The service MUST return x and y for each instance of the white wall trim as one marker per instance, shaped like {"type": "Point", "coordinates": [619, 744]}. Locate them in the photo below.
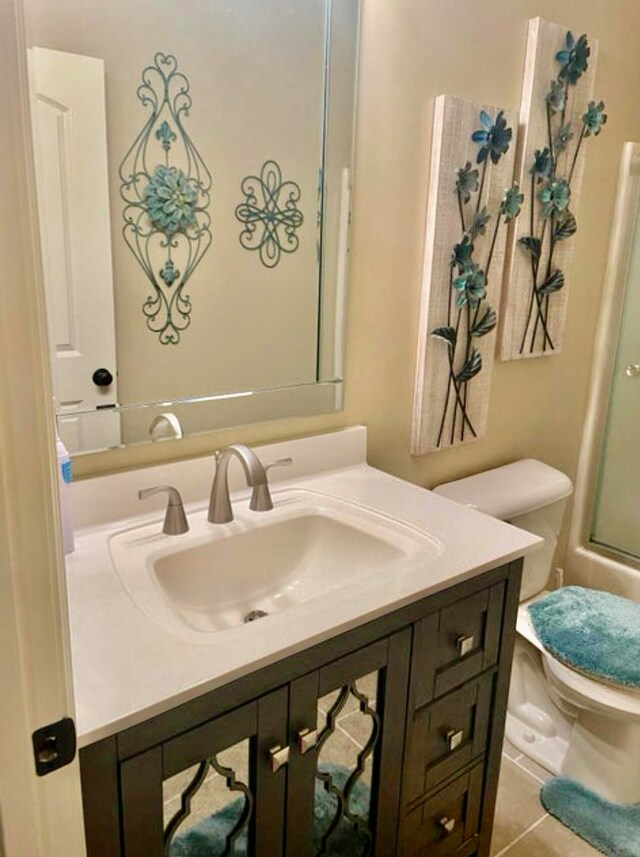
{"type": "Point", "coordinates": [41, 817]}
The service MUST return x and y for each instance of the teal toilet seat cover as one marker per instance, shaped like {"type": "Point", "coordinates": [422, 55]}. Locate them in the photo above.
{"type": "Point", "coordinates": [595, 632]}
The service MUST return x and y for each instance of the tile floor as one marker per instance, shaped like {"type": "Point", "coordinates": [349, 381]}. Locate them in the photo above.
{"type": "Point", "coordinates": [522, 828]}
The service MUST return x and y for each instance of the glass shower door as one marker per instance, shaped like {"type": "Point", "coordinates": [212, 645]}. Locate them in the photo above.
{"type": "Point", "coordinates": [616, 521]}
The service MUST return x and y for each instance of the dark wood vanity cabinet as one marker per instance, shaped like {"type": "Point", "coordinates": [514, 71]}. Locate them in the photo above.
{"type": "Point", "coordinates": [384, 740]}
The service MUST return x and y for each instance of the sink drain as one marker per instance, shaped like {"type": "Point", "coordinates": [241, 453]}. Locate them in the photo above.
{"type": "Point", "coordinates": [255, 614]}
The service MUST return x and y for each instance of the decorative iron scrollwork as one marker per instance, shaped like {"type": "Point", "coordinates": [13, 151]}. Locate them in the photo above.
{"type": "Point", "coordinates": [166, 187]}
{"type": "Point", "coordinates": [270, 214]}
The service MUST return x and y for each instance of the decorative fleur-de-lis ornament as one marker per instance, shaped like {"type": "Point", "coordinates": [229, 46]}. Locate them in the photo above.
{"type": "Point", "coordinates": [166, 188]}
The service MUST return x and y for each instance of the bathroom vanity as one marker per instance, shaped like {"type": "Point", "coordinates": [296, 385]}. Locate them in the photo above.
{"type": "Point", "coordinates": [411, 660]}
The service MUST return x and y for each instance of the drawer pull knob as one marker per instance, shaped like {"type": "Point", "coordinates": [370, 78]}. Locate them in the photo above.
{"type": "Point", "coordinates": [466, 644]}
{"type": "Point", "coordinates": [448, 825]}
{"type": "Point", "coordinates": [279, 757]}
{"type": "Point", "coordinates": [454, 739]}
{"type": "Point", "coordinates": [307, 740]}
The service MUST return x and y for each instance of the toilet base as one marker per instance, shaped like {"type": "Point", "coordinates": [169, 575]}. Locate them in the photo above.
{"type": "Point", "coordinates": [603, 757]}
{"type": "Point", "coordinates": [547, 751]}
{"type": "Point", "coordinates": [556, 729]}
{"type": "Point", "coordinates": [535, 725]}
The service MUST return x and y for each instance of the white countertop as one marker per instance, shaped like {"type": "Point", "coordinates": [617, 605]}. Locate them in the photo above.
{"type": "Point", "coordinates": [127, 668]}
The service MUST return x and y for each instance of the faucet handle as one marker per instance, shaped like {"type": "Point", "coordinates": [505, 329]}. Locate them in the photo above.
{"type": "Point", "coordinates": [175, 520]}
{"type": "Point", "coordinates": [261, 497]}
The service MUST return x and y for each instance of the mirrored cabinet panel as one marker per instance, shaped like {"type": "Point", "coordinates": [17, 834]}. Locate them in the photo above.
{"type": "Point", "coordinates": [193, 168]}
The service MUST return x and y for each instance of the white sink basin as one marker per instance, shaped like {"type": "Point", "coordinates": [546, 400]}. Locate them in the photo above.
{"type": "Point", "coordinates": [309, 547]}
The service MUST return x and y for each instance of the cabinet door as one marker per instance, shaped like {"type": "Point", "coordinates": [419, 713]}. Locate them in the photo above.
{"type": "Point", "coordinates": [211, 790]}
{"type": "Point", "coordinates": [346, 734]}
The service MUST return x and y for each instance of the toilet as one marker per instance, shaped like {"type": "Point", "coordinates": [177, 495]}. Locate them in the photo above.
{"type": "Point", "coordinates": [573, 725]}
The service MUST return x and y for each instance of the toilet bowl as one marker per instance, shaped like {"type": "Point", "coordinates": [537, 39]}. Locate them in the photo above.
{"type": "Point", "coordinates": [571, 724]}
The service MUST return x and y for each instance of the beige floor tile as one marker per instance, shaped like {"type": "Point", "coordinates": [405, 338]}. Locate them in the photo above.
{"type": "Point", "coordinates": [509, 750]}
{"type": "Point", "coordinates": [518, 805]}
{"type": "Point", "coordinates": [357, 726]}
{"type": "Point", "coordinates": [214, 793]}
{"type": "Point", "coordinates": [340, 749]}
{"type": "Point", "coordinates": [367, 684]}
{"type": "Point", "coordinates": [551, 839]}
{"type": "Point", "coordinates": [537, 770]}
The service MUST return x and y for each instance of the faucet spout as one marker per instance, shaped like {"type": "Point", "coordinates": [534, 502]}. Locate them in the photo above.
{"type": "Point", "coordinates": [220, 511]}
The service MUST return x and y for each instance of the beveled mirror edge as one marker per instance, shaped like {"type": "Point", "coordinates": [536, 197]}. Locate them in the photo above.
{"type": "Point", "coordinates": [158, 422]}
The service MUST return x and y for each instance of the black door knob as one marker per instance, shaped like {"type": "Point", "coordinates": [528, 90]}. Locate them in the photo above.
{"type": "Point", "coordinates": [102, 378]}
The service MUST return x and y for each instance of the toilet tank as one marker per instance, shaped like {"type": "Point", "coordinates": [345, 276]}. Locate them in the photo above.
{"type": "Point", "coordinates": [528, 494]}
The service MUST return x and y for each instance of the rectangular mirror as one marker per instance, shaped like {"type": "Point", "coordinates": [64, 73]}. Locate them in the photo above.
{"type": "Point", "coordinates": [193, 167]}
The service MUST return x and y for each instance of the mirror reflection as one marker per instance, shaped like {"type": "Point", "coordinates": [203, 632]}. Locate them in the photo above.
{"type": "Point", "coordinates": [193, 169]}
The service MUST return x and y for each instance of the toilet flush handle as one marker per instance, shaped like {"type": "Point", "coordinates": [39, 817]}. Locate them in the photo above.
{"type": "Point", "coordinates": [632, 370]}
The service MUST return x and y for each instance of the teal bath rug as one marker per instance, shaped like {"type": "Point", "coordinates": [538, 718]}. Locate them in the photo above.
{"type": "Point", "coordinates": [208, 838]}
{"type": "Point", "coordinates": [612, 828]}
{"type": "Point", "coordinates": [595, 632]}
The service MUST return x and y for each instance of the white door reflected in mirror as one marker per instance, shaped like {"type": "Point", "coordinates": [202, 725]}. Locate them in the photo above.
{"type": "Point", "coordinates": [70, 143]}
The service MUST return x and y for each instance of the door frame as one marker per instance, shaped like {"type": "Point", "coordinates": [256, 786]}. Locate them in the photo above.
{"type": "Point", "coordinates": [39, 816]}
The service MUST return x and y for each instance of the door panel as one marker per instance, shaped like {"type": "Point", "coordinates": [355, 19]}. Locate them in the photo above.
{"type": "Point", "coordinates": [70, 144]}
{"type": "Point", "coordinates": [615, 523]}
{"type": "Point", "coordinates": [211, 788]}
{"type": "Point", "coordinates": [346, 737]}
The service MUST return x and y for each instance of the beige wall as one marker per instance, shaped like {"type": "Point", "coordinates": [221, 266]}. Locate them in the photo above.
{"type": "Point", "coordinates": [413, 50]}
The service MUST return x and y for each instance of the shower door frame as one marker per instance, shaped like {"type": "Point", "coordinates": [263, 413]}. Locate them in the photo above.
{"type": "Point", "coordinates": [587, 563]}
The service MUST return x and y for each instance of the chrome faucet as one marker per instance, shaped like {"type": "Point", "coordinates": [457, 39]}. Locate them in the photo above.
{"type": "Point", "coordinates": [220, 511]}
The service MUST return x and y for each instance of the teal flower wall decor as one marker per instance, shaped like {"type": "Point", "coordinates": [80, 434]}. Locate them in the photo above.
{"type": "Point", "coordinates": [494, 137]}
{"type": "Point", "coordinates": [551, 175]}
{"type": "Point", "coordinates": [469, 316]}
{"type": "Point", "coordinates": [270, 214]}
{"type": "Point", "coordinates": [166, 189]}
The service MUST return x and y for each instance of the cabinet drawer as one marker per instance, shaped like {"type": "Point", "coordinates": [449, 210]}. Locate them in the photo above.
{"type": "Point", "coordinates": [447, 822]}
{"type": "Point", "coordinates": [445, 736]}
{"type": "Point", "coordinates": [456, 644]}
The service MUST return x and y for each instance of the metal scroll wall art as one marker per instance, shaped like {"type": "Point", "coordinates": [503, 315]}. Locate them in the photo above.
{"type": "Point", "coordinates": [558, 114]}
{"type": "Point", "coordinates": [471, 202]}
{"type": "Point", "coordinates": [270, 214]}
{"type": "Point", "coordinates": [166, 187]}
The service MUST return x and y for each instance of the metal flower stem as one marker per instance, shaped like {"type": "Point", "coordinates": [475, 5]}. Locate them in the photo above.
{"type": "Point", "coordinates": [480, 192]}
{"type": "Point", "coordinates": [583, 134]}
{"type": "Point", "coordinates": [461, 210]}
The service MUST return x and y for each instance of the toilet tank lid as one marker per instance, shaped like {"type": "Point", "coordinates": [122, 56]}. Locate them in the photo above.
{"type": "Point", "coordinates": [512, 490]}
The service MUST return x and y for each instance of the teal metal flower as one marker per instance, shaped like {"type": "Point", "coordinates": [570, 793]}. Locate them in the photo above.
{"type": "Point", "coordinates": [471, 287]}
{"type": "Point", "coordinates": [461, 256]}
{"type": "Point", "coordinates": [542, 163]}
{"type": "Point", "coordinates": [466, 181]}
{"type": "Point", "coordinates": [511, 202]}
{"type": "Point", "coordinates": [554, 197]}
{"type": "Point", "coordinates": [171, 200]}
{"type": "Point", "coordinates": [562, 138]}
{"type": "Point", "coordinates": [557, 96]}
{"type": "Point", "coordinates": [479, 223]}
{"type": "Point", "coordinates": [594, 118]}
{"type": "Point", "coordinates": [573, 58]}
{"type": "Point", "coordinates": [493, 137]}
